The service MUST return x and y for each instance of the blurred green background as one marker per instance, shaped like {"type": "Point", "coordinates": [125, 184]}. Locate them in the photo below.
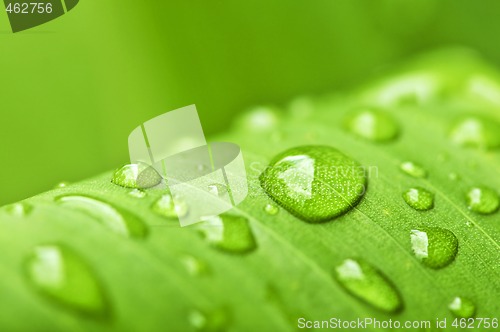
{"type": "Point", "coordinates": [73, 89]}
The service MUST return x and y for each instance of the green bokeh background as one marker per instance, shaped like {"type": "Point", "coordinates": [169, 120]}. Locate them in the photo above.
{"type": "Point", "coordinates": [73, 89]}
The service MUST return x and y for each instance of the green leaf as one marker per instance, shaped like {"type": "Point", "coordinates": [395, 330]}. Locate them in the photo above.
{"type": "Point", "coordinates": [182, 279]}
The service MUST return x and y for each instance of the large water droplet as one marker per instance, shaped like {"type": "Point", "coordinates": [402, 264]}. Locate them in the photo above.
{"type": "Point", "coordinates": [368, 284]}
{"type": "Point", "coordinates": [171, 207]}
{"type": "Point", "coordinates": [462, 307]}
{"type": "Point", "coordinates": [271, 209]}
{"type": "Point", "coordinates": [315, 183]}
{"type": "Point", "coordinates": [136, 176]}
{"type": "Point", "coordinates": [229, 232]}
{"type": "Point", "coordinates": [482, 200]}
{"type": "Point", "coordinates": [62, 275]}
{"type": "Point", "coordinates": [19, 210]}
{"type": "Point", "coordinates": [372, 124]}
{"type": "Point", "coordinates": [476, 131]}
{"type": "Point", "coordinates": [213, 321]}
{"type": "Point", "coordinates": [434, 247]}
{"type": "Point", "coordinates": [413, 169]}
{"type": "Point", "coordinates": [419, 198]}
{"type": "Point", "coordinates": [116, 219]}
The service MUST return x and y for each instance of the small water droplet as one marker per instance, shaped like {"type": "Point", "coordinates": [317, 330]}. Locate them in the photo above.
{"type": "Point", "coordinates": [413, 169]}
{"type": "Point", "coordinates": [435, 247]}
{"type": "Point", "coordinates": [271, 209]}
{"type": "Point", "coordinates": [62, 185]}
{"type": "Point", "coordinates": [116, 219]}
{"type": "Point", "coordinates": [212, 321]}
{"type": "Point", "coordinates": [462, 307]}
{"type": "Point", "coordinates": [482, 200]}
{"type": "Point", "coordinates": [372, 124]}
{"type": "Point", "coordinates": [136, 176]}
{"type": "Point", "coordinates": [476, 131]}
{"type": "Point", "coordinates": [301, 107]}
{"type": "Point", "coordinates": [62, 275]}
{"type": "Point", "coordinates": [202, 168]}
{"type": "Point", "coordinates": [19, 210]}
{"type": "Point", "coordinates": [314, 183]}
{"type": "Point", "coordinates": [137, 193]}
{"type": "Point", "coordinates": [229, 232]}
{"type": "Point", "coordinates": [368, 284]}
{"type": "Point", "coordinates": [217, 189]}
{"type": "Point", "coordinates": [260, 118]}
{"type": "Point", "coordinates": [194, 266]}
{"type": "Point", "coordinates": [453, 176]}
{"type": "Point", "coordinates": [418, 198]}
{"type": "Point", "coordinates": [171, 207]}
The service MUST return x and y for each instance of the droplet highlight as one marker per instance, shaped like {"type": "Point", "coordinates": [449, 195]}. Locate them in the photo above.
{"type": "Point", "coordinates": [369, 285]}
{"type": "Point", "coordinates": [136, 176]}
{"type": "Point", "coordinates": [314, 183]}
{"type": "Point", "coordinates": [230, 233]}
{"type": "Point", "coordinates": [372, 124]}
{"type": "Point", "coordinates": [419, 198]}
{"type": "Point", "coordinates": [413, 169]}
{"type": "Point", "coordinates": [114, 218]}
{"type": "Point", "coordinates": [462, 307]}
{"type": "Point", "coordinates": [435, 247]}
{"type": "Point", "coordinates": [482, 200]}
{"type": "Point", "coordinates": [63, 276]}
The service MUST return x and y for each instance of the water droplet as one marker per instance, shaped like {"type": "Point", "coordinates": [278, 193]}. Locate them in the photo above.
{"type": "Point", "coordinates": [476, 131]}
{"type": "Point", "coordinates": [229, 232]}
{"type": "Point", "coordinates": [271, 209]}
{"type": "Point", "coordinates": [482, 200]}
{"type": "Point", "coordinates": [213, 321]}
{"type": "Point", "coordinates": [368, 284]}
{"type": "Point", "coordinates": [194, 266]}
{"type": "Point", "coordinates": [61, 274]}
{"type": "Point", "coordinates": [171, 207]}
{"type": "Point", "coordinates": [62, 185]}
{"type": "Point", "coordinates": [301, 107]}
{"type": "Point", "coordinates": [372, 124]}
{"type": "Point", "coordinates": [462, 307]}
{"type": "Point", "coordinates": [202, 168]}
{"type": "Point", "coordinates": [19, 210]}
{"type": "Point", "coordinates": [435, 247]}
{"type": "Point", "coordinates": [137, 193]}
{"type": "Point", "coordinates": [261, 118]}
{"type": "Point", "coordinates": [419, 198]}
{"type": "Point", "coordinates": [116, 219]}
{"type": "Point", "coordinates": [136, 176]}
{"type": "Point", "coordinates": [413, 169]}
{"type": "Point", "coordinates": [314, 183]}
{"type": "Point", "coordinates": [217, 189]}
